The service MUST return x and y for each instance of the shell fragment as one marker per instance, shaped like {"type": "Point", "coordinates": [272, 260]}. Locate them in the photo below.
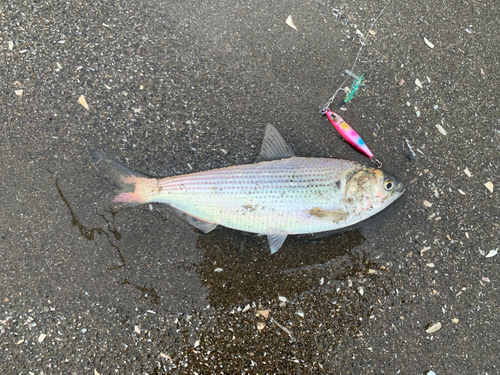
{"type": "Point", "coordinates": [290, 23]}
{"type": "Point", "coordinates": [492, 253]}
{"type": "Point", "coordinates": [441, 129]}
{"type": "Point", "coordinates": [429, 44]}
{"type": "Point", "coordinates": [434, 328]}
{"type": "Point", "coordinates": [489, 186]}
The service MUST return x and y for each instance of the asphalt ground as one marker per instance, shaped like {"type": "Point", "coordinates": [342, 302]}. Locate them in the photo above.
{"type": "Point", "coordinates": [182, 86]}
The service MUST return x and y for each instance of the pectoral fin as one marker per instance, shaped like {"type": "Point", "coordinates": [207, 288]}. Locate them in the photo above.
{"type": "Point", "coordinates": [275, 241]}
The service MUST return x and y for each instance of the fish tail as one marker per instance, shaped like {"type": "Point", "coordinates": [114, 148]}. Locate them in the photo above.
{"type": "Point", "coordinates": [133, 188]}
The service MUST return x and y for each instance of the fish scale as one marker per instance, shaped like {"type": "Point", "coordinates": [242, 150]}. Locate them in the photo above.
{"type": "Point", "coordinates": [260, 198]}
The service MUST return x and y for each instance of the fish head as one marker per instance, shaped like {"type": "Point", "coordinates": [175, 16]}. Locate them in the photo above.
{"type": "Point", "coordinates": [370, 190]}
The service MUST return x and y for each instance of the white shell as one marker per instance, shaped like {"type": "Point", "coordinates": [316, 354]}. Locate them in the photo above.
{"type": "Point", "coordinates": [434, 328]}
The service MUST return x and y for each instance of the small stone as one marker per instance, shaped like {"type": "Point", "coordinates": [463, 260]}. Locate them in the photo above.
{"type": "Point", "coordinates": [260, 326]}
{"type": "Point", "coordinates": [137, 330]}
{"type": "Point", "coordinates": [467, 172]}
{"type": "Point", "coordinates": [19, 92]}
{"type": "Point", "coordinates": [427, 204]}
{"type": "Point", "coordinates": [42, 337]}
{"type": "Point", "coordinates": [218, 270]}
{"type": "Point", "coordinates": [455, 320]}
{"type": "Point", "coordinates": [418, 83]}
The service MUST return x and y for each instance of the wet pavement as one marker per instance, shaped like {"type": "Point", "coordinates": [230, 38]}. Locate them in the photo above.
{"type": "Point", "coordinates": [181, 86]}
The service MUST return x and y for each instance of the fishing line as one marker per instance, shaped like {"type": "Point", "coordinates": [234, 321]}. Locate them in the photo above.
{"type": "Point", "coordinates": [329, 102]}
{"type": "Point", "coordinates": [343, 128]}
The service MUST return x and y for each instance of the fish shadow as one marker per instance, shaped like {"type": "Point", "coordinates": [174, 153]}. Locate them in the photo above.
{"type": "Point", "coordinates": [239, 269]}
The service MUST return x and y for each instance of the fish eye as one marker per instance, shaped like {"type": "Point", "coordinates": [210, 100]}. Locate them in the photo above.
{"type": "Point", "coordinates": [388, 184]}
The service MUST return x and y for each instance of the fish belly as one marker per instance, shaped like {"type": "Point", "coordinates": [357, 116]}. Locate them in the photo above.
{"type": "Point", "coordinates": [280, 196]}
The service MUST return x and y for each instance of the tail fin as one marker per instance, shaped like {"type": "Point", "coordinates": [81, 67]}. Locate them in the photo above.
{"type": "Point", "coordinates": [133, 187]}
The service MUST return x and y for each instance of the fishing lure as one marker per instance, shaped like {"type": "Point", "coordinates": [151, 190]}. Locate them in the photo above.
{"type": "Point", "coordinates": [350, 135]}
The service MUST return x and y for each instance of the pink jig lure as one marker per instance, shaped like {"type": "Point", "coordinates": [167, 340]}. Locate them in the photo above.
{"type": "Point", "coordinates": [349, 134]}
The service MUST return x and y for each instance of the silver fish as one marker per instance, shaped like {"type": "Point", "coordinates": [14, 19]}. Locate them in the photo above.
{"type": "Point", "coordinates": [278, 195]}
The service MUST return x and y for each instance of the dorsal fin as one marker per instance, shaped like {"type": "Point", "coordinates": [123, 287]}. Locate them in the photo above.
{"type": "Point", "coordinates": [273, 146]}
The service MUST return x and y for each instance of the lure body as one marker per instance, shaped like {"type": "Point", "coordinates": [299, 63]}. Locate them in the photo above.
{"type": "Point", "coordinates": [348, 133]}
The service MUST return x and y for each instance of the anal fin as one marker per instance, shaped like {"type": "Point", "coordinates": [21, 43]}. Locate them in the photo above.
{"type": "Point", "coordinates": [197, 223]}
{"type": "Point", "coordinates": [276, 241]}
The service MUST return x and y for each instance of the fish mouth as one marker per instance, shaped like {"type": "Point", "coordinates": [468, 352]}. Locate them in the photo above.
{"type": "Point", "coordinates": [401, 189]}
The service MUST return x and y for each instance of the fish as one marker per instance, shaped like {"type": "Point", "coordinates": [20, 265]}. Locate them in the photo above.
{"type": "Point", "coordinates": [280, 194]}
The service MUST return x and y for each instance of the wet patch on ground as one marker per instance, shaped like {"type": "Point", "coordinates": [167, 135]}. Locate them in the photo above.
{"type": "Point", "coordinates": [239, 268]}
